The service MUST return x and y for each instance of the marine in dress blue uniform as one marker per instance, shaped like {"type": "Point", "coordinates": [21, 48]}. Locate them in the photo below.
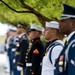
{"type": "Point", "coordinates": [65, 65]}
{"type": "Point", "coordinates": [35, 51]}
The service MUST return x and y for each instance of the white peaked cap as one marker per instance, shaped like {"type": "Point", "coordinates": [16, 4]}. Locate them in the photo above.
{"type": "Point", "coordinates": [52, 24]}
{"type": "Point", "coordinates": [36, 27]}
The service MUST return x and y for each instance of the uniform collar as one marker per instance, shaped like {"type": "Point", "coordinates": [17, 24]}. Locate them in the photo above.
{"type": "Point", "coordinates": [70, 35]}
{"type": "Point", "coordinates": [48, 43]}
{"type": "Point", "coordinates": [21, 35]}
{"type": "Point", "coordinates": [52, 41]}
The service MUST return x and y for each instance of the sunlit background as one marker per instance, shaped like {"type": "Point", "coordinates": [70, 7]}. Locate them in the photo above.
{"type": "Point", "coordinates": [4, 28]}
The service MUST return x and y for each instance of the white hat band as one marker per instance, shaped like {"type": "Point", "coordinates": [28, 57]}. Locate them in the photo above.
{"type": "Point", "coordinates": [52, 24]}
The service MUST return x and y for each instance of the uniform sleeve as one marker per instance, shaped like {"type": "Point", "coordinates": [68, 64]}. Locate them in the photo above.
{"type": "Point", "coordinates": [23, 48]}
{"type": "Point", "coordinates": [71, 60]}
{"type": "Point", "coordinates": [36, 59]}
{"type": "Point", "coordinates": [55, 53]}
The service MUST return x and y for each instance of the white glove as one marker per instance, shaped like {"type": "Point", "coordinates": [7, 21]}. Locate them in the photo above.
{"type": "Point", "coordinates": [19, 68]}
{"type": "Point", "coordinates": [13, 49]}
{"type": "Point", "coordinates": [14, 60]}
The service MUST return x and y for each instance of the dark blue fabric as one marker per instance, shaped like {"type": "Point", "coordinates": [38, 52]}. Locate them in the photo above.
{"type": "Point", "coordinates": [70, 66]}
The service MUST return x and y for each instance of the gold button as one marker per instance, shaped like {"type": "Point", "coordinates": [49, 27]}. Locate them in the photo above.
{"type": "Point", "coordinates": [30, 70]}
{"type": "Point", "coordinates": [60, 62]}
{"type": "Point", "coordinates": [26, 57]}
{"type": "Point", "coordinates": [25, 60]}
{"type": "Point", "coordinates": [29, 49]}
{"type": "Point", "coordinates": [26, 53]}
{"type": "Point", "coordinates": [32, 73]}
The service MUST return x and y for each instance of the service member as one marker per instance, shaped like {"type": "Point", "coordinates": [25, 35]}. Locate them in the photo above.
{"type": "Point", "coordinates": [65, 65]}
{"type": "Point", "coordinates": [53, 48]}
{"type": "Point", "coordinates": [35, 51]}
{"type": "Point", "coordinates": [10, 42]}
{"type": "Point", "coordinates": [21, 46]}
{"type": "Point", "coordinates": [9, 36]}
{"type": "Point", "coordinates": [13, 49]}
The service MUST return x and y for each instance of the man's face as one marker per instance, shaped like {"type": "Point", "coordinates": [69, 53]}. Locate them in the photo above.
{"type": "Point", "coordinates": [15, 33]}
{"type": "Point", "coordinates": [65, 26]}
{"type": "Point", "coordinates": [48, 33]}
{"type": "Point", "coordinates": [10, 33]}
{"type": "Point", "coordinates": [19, 30]}
{"type": "Point", "coordinates": [32, 35]}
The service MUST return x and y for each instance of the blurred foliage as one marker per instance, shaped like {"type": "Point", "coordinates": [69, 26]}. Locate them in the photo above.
{"type": "Point", "coordinates": [43, 40]}
{"type": "Point", "coordinates": [2, 39]}
{"type": "Point", "coordinates": [49, 8]}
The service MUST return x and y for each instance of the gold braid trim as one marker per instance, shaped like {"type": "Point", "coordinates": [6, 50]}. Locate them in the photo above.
{"type": "Point", "coordinates": [20, 63]}
{"type": "Point", "coordinates": [17, 53]}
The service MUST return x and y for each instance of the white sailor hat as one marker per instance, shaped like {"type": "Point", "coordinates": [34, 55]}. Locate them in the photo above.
{"type": "Point", "coordinates": [52, 24]}
{"type": "Point", "coordinates": [34, 27]}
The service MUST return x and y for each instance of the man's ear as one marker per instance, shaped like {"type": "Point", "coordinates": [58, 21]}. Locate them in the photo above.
{"type": "Point", "coordinates": [73, 24]}
{"type": "Point", "coordinates": [54, 31]}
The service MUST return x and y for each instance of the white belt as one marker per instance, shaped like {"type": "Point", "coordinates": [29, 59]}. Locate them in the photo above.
{"type": "Point", "coordinates": [28, 64]}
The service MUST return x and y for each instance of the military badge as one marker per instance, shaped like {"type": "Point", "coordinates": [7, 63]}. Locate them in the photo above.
{"type": "Point", "coordinates": [36, 51]}
{"type": "Point", "coordinates": [60, 69]}
{"type": "Point", "coordinates": [60, 62]}
{"type": "Point", "coordinates": [61, 58]}
{"type": "Point", "coordinates": [17, 45]}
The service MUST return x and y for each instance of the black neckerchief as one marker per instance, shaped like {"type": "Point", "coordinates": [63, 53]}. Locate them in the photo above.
{"type": "Point", "coordinates": [48, 43]}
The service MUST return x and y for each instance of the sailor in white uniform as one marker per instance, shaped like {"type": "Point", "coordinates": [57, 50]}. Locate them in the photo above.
{"type": "Point", "coordinates": [53, 49]}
